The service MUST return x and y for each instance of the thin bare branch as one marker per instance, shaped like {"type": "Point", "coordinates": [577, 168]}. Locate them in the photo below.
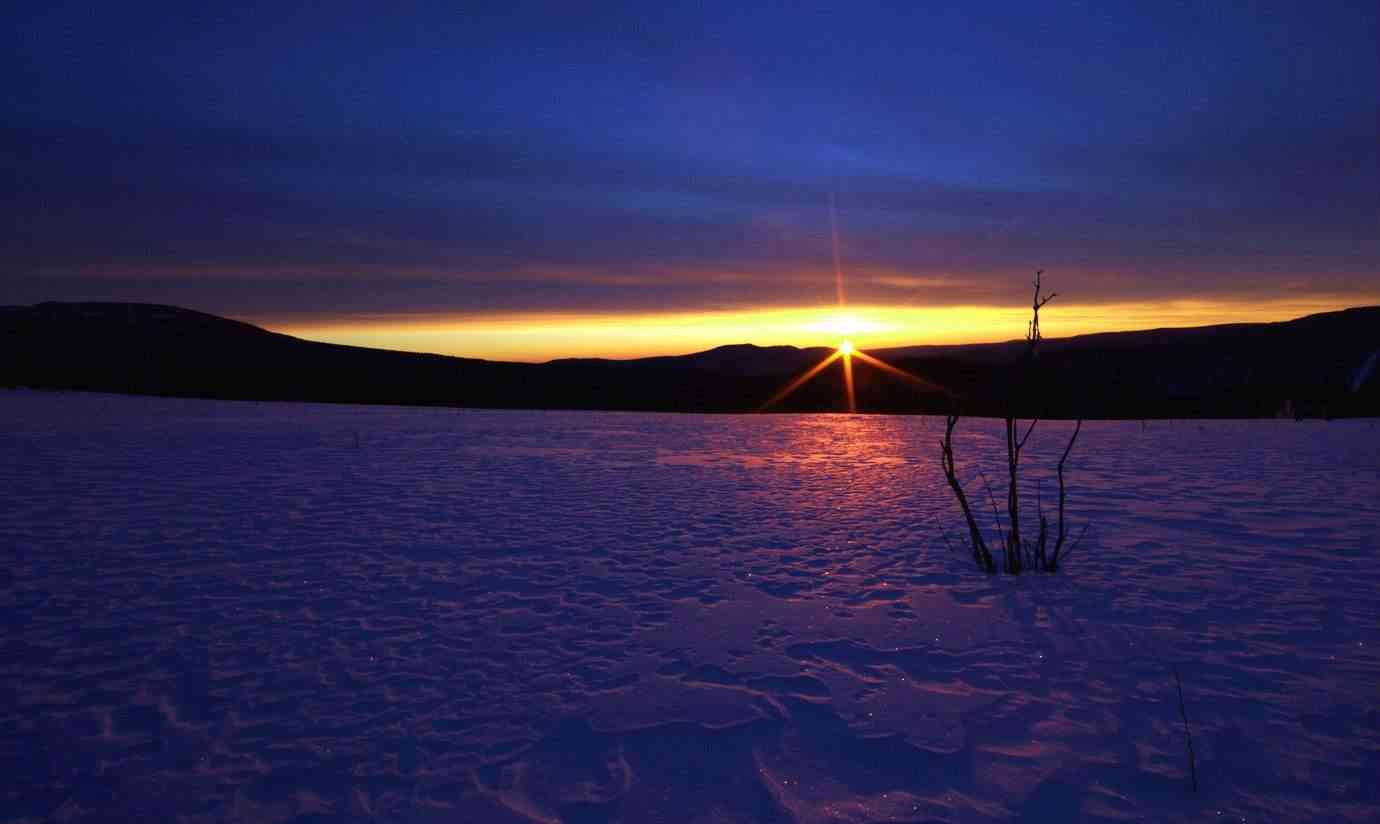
{"type": "Point", "coordinates": [1017, 552]}
{"type": "Point", "coordinates": [1076, 429]}
{"type": "Point", "coordinates": [996, 515]}
{"type": "Point", "coordinates": [1032, 334]}
{"type": "Point", "coordinates": [1059, 539]}
{"type": "Point", "coordinates": [1072, 546]}
{"type": "Point", "coordinates": [981, 553]}
{"type": "Point", "coordinates": [1188, 733]}
{"type": "Point", "coordinates": [1013, 504]}
{"type": "Point", "coordinates": [1021, 443]}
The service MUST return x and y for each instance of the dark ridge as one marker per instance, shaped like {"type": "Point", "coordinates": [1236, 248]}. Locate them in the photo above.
{"type": "Point", "coordinates": [1319, 365]}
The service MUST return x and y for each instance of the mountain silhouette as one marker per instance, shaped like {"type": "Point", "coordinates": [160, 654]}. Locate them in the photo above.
{"type": "Point", "coordinates": [1319, 365]}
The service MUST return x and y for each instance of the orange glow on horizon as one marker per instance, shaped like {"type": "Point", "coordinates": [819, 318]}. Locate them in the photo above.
{"type": "Point", "coordinates": [544, 336]}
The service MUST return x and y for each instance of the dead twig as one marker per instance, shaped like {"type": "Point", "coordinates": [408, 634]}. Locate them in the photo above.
{"type": "Point", "coordinates": [1021, 444]}
{"type": "Point", "coordinates": [1017, 553]}
{"type": "Point", "coordinates": [947, 542]}
{"type": "Point", "coordinates": [981, 553]}
{"type": "Point", "coordinates": [996, 514]}
{"type": "Point", "coordinates": [1188, 734]}
{"type": "Point", "coordinates": [1059, 540]}
{"type": "Point", "coordinates": [1072, 546]}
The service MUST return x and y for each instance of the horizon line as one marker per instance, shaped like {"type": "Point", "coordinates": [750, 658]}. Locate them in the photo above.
{"type": "Point", "coordinates": [543, 337]}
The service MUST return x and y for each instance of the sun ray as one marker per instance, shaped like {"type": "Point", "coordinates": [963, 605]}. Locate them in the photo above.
{"type": "Point", "coordinates": [848, 375]}
{"type": "Point", "coordinates": [800, 381]}
{"type": "Point", "coordinates": [847, 351]}
{"type": "Point", "coordinates": [834, 236]}
{"type": "Point", "coordinates": [900, 373]}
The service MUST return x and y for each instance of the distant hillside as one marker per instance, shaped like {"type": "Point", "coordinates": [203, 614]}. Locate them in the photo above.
{"type": "Point", "coordinates": [1317, 365]}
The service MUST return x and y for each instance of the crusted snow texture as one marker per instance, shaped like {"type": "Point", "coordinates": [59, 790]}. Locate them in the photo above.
{"type": "Point", "coordinates": [224, 611]}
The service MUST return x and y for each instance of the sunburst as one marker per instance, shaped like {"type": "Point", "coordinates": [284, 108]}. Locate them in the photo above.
{"type": "Point", "coordinates": [845, 323]}
{"type": "Point", "coordinates": [846, 352]}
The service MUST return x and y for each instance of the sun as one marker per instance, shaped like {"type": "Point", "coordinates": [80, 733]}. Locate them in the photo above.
{"type": "Point", "coordinates": [846, 324]}
{"type": "Point", "coordinates": [847, 352]}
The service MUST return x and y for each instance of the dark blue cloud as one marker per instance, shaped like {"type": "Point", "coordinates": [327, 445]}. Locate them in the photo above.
{"type": "Point", "coordinates": [529, 155]}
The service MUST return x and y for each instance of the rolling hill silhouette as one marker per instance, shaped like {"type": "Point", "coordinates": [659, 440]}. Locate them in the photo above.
{"type": "Point", "coordinates": [1322, 364]}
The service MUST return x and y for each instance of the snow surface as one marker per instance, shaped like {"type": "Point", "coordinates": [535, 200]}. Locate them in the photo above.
{"type": "Point", "coordinates": [222, 611]}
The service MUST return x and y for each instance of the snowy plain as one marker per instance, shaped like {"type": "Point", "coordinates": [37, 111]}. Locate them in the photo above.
{"type": "Point", "coordinates": [229, 611]}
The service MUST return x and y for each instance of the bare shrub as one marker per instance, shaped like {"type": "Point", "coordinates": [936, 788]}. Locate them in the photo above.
{"type": "Point", "coordinates": [1018, 553]}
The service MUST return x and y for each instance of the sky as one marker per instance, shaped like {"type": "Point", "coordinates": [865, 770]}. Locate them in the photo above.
{"type": "Point", "coordinates": [530, 180]}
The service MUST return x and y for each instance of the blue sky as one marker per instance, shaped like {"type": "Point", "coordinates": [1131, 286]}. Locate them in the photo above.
{"type": "Point", "coordinates": [336, 160]}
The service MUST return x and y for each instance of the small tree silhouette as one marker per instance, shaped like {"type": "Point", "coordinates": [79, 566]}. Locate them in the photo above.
{"type": "Point", "coordinates": [1018, 554]}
